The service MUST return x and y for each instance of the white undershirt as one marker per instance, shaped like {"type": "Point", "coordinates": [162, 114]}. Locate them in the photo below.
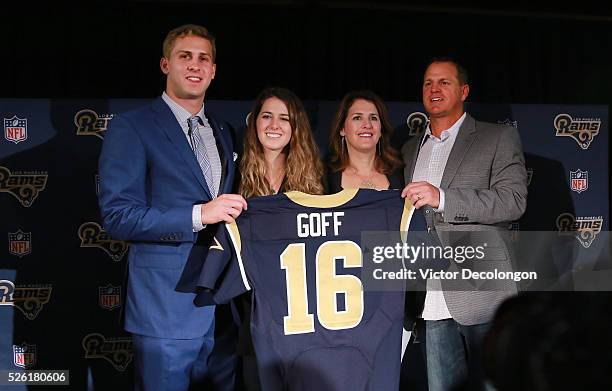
{"type": "Point", "coordinates": [430, 166]}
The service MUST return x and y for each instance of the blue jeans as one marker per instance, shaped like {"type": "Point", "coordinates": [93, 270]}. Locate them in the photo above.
{"type": "Point", "coordinates": [454, 355]}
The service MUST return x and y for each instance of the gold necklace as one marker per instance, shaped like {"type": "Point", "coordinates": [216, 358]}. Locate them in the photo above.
{"type": "Point", "coordinates": [367, 182]}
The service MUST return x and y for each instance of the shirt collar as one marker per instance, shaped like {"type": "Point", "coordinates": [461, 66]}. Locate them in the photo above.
{"type": "Point", "coordinates": [179, 111]}
{"type": "Point", "coordinates": [452, 131]}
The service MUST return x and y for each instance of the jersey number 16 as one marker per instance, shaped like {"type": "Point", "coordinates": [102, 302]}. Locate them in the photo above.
{"type": "Point", "coordinates": [328, 286]}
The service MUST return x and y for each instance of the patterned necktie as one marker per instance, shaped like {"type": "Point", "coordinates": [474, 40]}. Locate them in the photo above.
{"type": "Point", "coordinates": [199, 148]}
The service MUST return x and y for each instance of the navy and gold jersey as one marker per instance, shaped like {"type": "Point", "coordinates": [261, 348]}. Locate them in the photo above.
{"type": "Point", "coordinates": [313, 325]}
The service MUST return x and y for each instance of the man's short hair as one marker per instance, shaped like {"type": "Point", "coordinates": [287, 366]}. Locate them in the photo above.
{"type": "Point", "coordinates": [462, 74]}
{"type": "Point", "coordinates": [185, 30]}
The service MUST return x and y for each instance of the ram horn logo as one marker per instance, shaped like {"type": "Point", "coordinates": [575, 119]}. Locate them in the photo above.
{"type": "Point", "coordinates": [582, 130]}
{"type": "Point", "coordinates": [24, 355]}
{"type": "Point", "coordinates": [117, 351]}
{"type": "Point", "coordinates": [417, 122]}
{"type": "Point", "coordinates": [89, 123]}
{"type": "Point", "coordinates": [579, 181]}
{"type": "Point", "coordinates": [29, 299]}
{"type": "Point", "coordinates": [585, 229]}
{"type": "Point", "coordinates": [92, 235]}
{"type": "Point", "coordinates": [16, 129]}
{"type": "Point", "coordinates": [24, 186]}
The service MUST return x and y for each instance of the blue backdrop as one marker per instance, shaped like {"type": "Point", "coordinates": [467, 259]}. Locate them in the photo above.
{"type": "Point", "coordinates": [61, 276]}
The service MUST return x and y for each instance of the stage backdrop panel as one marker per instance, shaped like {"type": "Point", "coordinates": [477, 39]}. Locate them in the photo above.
{"type": "Point", "coordinates": [62, 277]}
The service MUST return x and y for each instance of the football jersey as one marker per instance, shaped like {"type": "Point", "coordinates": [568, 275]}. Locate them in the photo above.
{"type": "Point", "coordinates": [313, 325]}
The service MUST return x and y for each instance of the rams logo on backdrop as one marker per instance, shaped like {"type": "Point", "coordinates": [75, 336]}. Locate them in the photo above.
{"type": "Point", "coordinates": [579, 180]}
{"type": "Point", "coordinates": [25, 186]}
{"type": "Point", "coordinates": [24, 355]}
{"type": "Point", "coordinates": [416, 122]}
{"type": "Point", "coordinates": [92, 235]}
{"type": "Point", "coordinates": [16, 129]}
{"type": "Point", "coordinates": [585, 229]}
{"type": "Point", "coordinates": [7, 289]}
{"type": "Point", "coordinates": [20, 243]}
{"type": "Point", "coordinates": [89, 123]}
{"type": "Point", "coordinates": [29, 299]}
{"type": "Point", "coordinates": [582, 130]}
{"type": "Point", "coordinates": [117, 351]}
{"type": "Point", "coordinates": [109, 297]}
{"type": "Point", "coordinates": [509, 122]}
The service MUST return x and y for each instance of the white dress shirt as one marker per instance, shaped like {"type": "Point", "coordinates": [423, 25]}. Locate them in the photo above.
{"type": "Point", "coordinates": [182, 117]}
{"type": "Point", "coordinates": [429, 167]}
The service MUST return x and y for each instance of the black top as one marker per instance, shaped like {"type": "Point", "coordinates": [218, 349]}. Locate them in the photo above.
{"type": "Point", "coordinates": [334, 180]}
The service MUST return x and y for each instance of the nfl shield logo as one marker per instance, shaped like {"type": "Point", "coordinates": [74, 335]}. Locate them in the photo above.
{"type": "Point", "coordinates": [20, 243]}
{"type": "Point", "coordinates": [24, 355]}
{"type": "Point", "coordinates": [579, 180]}
{"type": "Point", "coordinates": [16, 129]}
{"type": "Point", "coordinates": [110, 297]}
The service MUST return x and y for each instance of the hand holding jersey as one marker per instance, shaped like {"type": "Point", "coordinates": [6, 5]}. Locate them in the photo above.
{"type": "Point", "coordinates": [302, 256]}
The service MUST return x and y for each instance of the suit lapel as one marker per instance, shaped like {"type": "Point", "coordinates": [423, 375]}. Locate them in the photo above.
{"type": "Point", "coordinates": [225, 154]}
{"type": "Point", "coordinates": [464, 139]}
{"type": "Point", "coordinates": [168, 124]}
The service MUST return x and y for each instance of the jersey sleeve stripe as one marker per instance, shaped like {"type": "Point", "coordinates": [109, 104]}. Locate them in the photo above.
{"type": "Point", "coordinates": [407, 212]}
{"type": "Point", "coordinates": [234, 234]}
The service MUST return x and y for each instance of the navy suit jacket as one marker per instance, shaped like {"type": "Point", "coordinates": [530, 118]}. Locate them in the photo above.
{"type": "Point", "coordinates": [150, 180]}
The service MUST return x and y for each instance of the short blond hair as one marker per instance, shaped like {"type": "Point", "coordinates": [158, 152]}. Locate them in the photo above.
{"type": "Point", "coordinates": [185, 30]}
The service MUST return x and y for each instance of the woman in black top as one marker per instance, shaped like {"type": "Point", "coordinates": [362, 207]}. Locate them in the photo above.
{"type": "Point", "coordinates": [361, 155]}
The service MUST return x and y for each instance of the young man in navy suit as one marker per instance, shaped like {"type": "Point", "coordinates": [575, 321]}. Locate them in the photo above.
{"type": "Point", "coordinates": [166, 170]}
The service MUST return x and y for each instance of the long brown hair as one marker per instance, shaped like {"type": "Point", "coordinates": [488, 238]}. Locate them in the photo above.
{"type": "Point", "coordinates": [388, 160]}
{"type": "Point", "coordinates": [303, 169]}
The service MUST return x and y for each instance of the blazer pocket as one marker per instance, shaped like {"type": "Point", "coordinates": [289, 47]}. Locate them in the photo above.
{"type": "Point", "coordinates": [158, 256]}
{"type": "Point", "coordinates": [157, 261]}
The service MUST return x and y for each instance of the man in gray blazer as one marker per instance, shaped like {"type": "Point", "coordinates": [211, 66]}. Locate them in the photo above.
{"type": "Point", "coordinates": [470, 177]}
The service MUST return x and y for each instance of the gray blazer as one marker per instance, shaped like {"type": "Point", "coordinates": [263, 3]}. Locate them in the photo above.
{"type": "Point", "coordinates": [485, 185]}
